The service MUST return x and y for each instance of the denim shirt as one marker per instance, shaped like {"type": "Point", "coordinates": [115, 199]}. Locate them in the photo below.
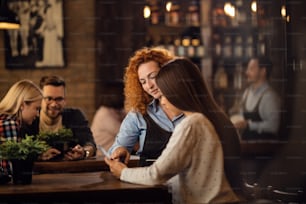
{"type": "Point", "coordinates": [133, 127]}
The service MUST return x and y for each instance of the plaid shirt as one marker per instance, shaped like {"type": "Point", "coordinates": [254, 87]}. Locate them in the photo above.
{"type": "Point", "coordinates": [9, 130]}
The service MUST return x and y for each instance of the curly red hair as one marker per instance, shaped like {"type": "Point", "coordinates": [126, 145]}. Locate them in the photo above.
{"type": "Point", "coordinates": [136, 99]}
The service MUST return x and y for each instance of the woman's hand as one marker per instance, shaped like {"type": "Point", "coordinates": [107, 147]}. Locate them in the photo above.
{"type": "Point", "coordinates": [121, 154]}
{"type": "Point", "coordinates": [49, 154]}
{"type": "Point", "coordinates": [115, 167]}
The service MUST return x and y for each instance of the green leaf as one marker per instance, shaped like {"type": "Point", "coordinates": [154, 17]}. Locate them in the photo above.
{"type": "Point", "coordinates": [27, 148]}
{"type": "Point", "coordinates": [62, 135]}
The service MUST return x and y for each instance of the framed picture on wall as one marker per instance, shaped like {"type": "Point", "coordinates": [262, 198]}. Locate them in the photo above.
{"type": "Point", "coordinates": [39, 41]}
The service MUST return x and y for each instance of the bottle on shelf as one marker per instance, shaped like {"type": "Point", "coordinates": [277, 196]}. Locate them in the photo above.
{"type": "Point", "coordinates": [191, 49]}
{"type": "Point", "coordinates": [172, 14]}
{"type": "Point", "coordinates": [221, 78]}
{"type": "Point", "coordinates": [188, 49]}
{"type": "Point", "coordinates": [199, 47]}
{"type": "Point", "coordinates": [155, 14]}
{"type": "Point", "coordinates": [241, 13]}
{"type": "Point", "coordinates": [218, 16]}
{"type": "Point", "coordinates": [193, 13]}
{"type": "Point", "coordinates": [238, 77]}
{"type": "Point", "coordinates": [227, 47]}
{"type": "Point", "coordinates": [180, 49]}
{"type": "Point", "coordinates": [238, 47]}
{"type": "Point", "coordinates": [262, 20]}
{"type": "Point", "coordinates": [261, 45]}
{"type": "Point", "coordinates": [249, 48]}
{"type": "Point", "coordinates": [217, 45]}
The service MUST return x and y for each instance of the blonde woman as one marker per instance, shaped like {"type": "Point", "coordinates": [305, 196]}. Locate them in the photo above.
{"type": "Point", "coordinates": [18, 108]}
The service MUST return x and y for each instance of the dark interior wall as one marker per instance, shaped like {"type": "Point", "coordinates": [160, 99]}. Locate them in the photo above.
{"type": "Point", "coordinates": [296, 37]}
{"type": "Point", "coordinates": [120, 30]}
{"type": "Point", "coordinates": [99, 38]}
{"type": "Point", "coordinates": [287, 171]}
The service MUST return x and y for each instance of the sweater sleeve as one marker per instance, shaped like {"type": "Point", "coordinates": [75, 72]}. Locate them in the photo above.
{"type": "Point", "coordinates": [175, 157]}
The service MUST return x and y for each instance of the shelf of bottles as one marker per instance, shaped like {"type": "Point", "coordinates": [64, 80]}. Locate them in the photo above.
{"type": "Point", "coordinates": [238, 30]}
{"type": "Point", "coordinates": [238, 33]}
{"type": "Point", "coordinates": [175, 25]}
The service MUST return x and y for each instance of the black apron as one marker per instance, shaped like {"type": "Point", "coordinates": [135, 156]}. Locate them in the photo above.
{"type": "Point", "coordinates": [155, 141]}
{"type": "Point", "coordinates": [254, 116]}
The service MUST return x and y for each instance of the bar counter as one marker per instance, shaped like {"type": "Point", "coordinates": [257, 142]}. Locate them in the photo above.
{"type": "Point", "coordinates": [86, 187]}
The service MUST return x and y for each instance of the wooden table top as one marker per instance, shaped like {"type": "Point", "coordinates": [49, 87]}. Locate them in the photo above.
{"type": "Point", "coordinates": [86, 165]}
{"type": "Point", "coordinates": [70, 182]}
{"type": "Point", "coordinates": [84, 187]}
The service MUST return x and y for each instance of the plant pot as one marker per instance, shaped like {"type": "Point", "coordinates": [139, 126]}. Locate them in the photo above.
{"type": "Point", "coordinates": [4, 176]}
{"type": "Point", "coordinates": [22, 171]}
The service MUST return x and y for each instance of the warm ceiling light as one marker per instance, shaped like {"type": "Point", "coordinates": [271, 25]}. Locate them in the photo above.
{"type": "Point", "coordinates": [229, 9]}
{"type": "Point", "coordinates": [8, 19]}
{"type": "Point", "coordinates": [168, 6]}
{"type": "Point", "coordinates": [283, 11]}
{"type": "Point", "coordinates": [146, 12]}
{"type": "Point", "coordinates": [254, 6]}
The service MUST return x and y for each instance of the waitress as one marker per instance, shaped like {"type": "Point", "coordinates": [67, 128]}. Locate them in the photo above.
{"type": "Point", "coordinates": [147, 126]}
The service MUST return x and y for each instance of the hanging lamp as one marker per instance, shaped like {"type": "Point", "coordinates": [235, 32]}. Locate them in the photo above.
{"type": "Point", "coordinates": [8, 19]}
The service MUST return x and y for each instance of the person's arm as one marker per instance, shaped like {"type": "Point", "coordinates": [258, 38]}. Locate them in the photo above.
{"type": "Point", "coordinates": [9, 130]}
{"type": "Point", "coordinates": [75, 119]}
{"type": "Point", "coordinates": [132, 130]}
{"type": "Point", "coordinates": [49, 154]}
{"type": "Point", "coordinates": [176, 156]}
{"type": "Point", "coordinates": [269, 110]}
{"type": "Point", "coordinates": [238, 119]}
{"type": "Point", "coordinates": [194, 153]}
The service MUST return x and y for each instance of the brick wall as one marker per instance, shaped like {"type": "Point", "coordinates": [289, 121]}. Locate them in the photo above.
{"type": "Point", "coordinates": [79, 22]}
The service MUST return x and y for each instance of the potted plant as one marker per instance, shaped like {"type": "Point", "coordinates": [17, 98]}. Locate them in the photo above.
{"type": "Point", "coordinates": [22, 154]}
{"type": "Point", "coordinates": [62, 139]}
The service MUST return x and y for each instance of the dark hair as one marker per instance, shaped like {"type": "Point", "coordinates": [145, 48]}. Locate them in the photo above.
{"type": "Point", "coordinates": [188, 91]}
{"type": "Point", "coordinates": [52, 80]}
{"type": "Point", "coordinates": [264, 62]}
{"type": "Point", "coordinates": [181, 82]}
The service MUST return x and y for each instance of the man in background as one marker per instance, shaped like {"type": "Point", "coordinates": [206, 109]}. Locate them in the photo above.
{"type": "Point", "coordinates": [259, 119]}
{"type": "Point", "coordinates": [54, 116]}
{"type": "Point", "coordinates": [260, 104]}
